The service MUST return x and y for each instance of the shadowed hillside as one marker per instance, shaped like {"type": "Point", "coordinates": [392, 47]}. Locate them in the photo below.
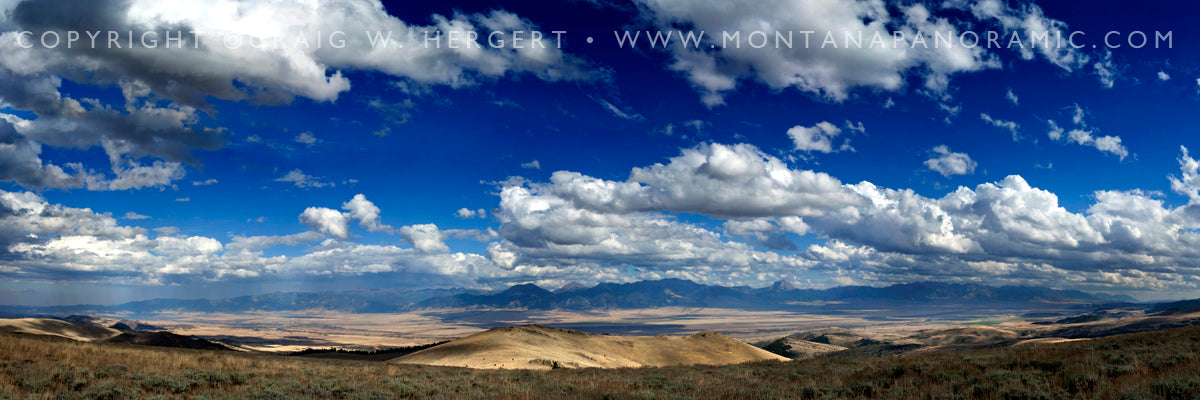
{"type": "Point", "coordinates": [165, 339]}
{"type": "Point", "coordinates": [800, 349]}
{"type": "Point", "coordinates": [54, 327]}
{"type": "Point", "coordinates": [837, 342]}
{"type": "Point", "coordinates": [362, 355]}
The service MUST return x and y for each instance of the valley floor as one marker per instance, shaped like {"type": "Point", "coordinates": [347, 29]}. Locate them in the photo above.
{"type": "Point", "coordinates": [1152, 365]}
{"type": "Point", "coordinates": [297, 330]}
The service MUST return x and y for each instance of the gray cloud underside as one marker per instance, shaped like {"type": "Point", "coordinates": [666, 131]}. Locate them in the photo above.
{"type": "Point", "coordinates": [167, 90]}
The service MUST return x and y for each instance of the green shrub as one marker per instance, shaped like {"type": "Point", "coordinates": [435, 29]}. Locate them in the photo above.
{"type": "Point", "coordinates": [109, 390]}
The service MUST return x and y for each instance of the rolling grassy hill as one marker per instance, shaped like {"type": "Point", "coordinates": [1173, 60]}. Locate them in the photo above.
{"type": "Point", "coordinates": [1150, 365]}
{"type": "Point", "coordinates": [541, 347]}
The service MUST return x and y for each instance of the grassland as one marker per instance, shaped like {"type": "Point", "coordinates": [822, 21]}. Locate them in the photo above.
{"type": "Point", "coordinates": [296, 330]}
{"type": "Point", "coordinates": [1154, 365]}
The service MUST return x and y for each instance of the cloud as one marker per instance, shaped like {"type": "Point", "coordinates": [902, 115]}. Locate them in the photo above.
{"type": "Point", "coordinates": [1029, 21]}
{"type": "Point", "coordinates": [1055, 132]}
{"type": "Point", "coordinates": [949, 163]}
{"type": "Point", "coordinates": [450, 269]}
{"type": "Point", "coordinates": [1007, 230]}
{"type": "Point", "coordinates": [302, 180]}
{"type": "Point", "coordinates": [617, 112]}
{"type": "Point", "coordinates": [466, 213]}
{"type": "Point", "coordinates": [29, 224]}
{"type": "Point", "coordinates": [134, 216]}
{"type": "Point", "coordinates": [1083, 136]}
{"type": "Point", "coordinates": [141, 128]}
{"type": "Point", "coordinates": [396, 113]}
{"type": "Point", "coordinates": [532, 165]}
{"type": "Point", "coordinates": [951, 112]}
{"type": "Point", "coordinates": [820, 137]}
{"type": "Point", "coordinates": [1163, 76]}
{"type": "Point", "coordinates": [712, 179]}
{"type": "Point", "coordinates": [163, 87]}
{"type": "Point", "coordinates": [1077, 116]}
{"type": "Point", "coordinates": [1010, 126]}
{"type": "Point", "coordinates": [366, 213]}
{"type": "Point", "coordinates": [274, 73]}
{"type": "Point", "coordinates": [1188, 182]}
{"type": "Point", "coordinates": [206, 182]}
{"type": "Point", "coordinates": [183, 199]}
{"type": "Point", "coordinates": [541, 229]}
{"type": "Point", "coordinates": [1106, 71]}
{"type": "Point", "coordinates": [424, 237]}
{"type": "Point", "coordinates": [255, 243]}
{"type": "Point", "coordinates": [1012, 97]}
{"type": "Point", "coordinates": [1107, 144]}
{"type": "Point", "coordinates": [715, 68]}
{"type": "Point", "coordinates": [327, 221]}
{"type": "Point", "coordinates": [768, 232]}
{"type": "Point", "coordinates": [307, 139]}
{"type": "Point", "coordinates": [20, 162]}
{"type": "Point", "coordinates": [578, 216]}
{"type": "Point", "coordinates": [27, 217]}
{"type": "Point", "coordinates": [128, 257]}
{"type": "Point", "coordinates": [136, 176]}
{"type": "Point", "coordinates": [336, 223]}
{"type": "Point", "coordinates": [40, 241]}
{"type": "Point", "coordinates": [574, 225]}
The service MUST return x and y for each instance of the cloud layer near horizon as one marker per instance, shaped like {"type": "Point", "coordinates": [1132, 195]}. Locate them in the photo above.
{"type": "Point", "coordinates": [577, 227]}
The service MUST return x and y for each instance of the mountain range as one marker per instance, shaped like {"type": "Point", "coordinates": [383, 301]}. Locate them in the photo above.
{"type": "Point", "coordinates": [574, 296]}
{"type": "Point", "coordinates": [684, 293]}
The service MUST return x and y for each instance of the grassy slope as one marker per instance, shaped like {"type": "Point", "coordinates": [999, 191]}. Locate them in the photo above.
{"type": "Point", "coordinates": [43, 326]}
{"type": "Point", "coordinates": [540, 347]}
{"type": "Point", "coordinates": [1145, 365]}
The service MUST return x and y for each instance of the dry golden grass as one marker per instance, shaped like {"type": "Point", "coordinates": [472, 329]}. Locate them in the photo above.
{"type": "Point", "coordinates": [1155, 365]}
{"type": "Point", "coordinates": [965, 336]}
{"type": "Point", "coordinates": [540, 347]}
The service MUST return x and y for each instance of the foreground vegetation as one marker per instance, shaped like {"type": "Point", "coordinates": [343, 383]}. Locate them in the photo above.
{"type": "Point", "coordinates": [1155, 365]}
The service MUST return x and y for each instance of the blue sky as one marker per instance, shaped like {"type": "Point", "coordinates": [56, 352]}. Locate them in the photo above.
{"type": "Point", "coordinates": [216, 170]}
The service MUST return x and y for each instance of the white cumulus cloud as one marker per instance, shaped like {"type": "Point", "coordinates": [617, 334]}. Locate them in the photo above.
{"type": "Point", "coordinates": [326, 220]}
{"type": "Point", "coordinates": [424, 237]}
{"type": "Point", "coordinates": [820, 137]}
{"type": "Point", "coordinates": [949, 163]}
{"type": "Point", "coordinates": [302, 180]}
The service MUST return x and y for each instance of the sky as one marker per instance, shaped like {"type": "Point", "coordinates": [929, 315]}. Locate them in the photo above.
{"type": "Point", "coordinates": [196, 148]}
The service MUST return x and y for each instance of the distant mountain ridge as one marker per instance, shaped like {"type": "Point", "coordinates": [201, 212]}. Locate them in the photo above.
{"type": "Point", "coordinates": [574, 296]}
{"type": "Point", "coordinates": [678, 292]}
